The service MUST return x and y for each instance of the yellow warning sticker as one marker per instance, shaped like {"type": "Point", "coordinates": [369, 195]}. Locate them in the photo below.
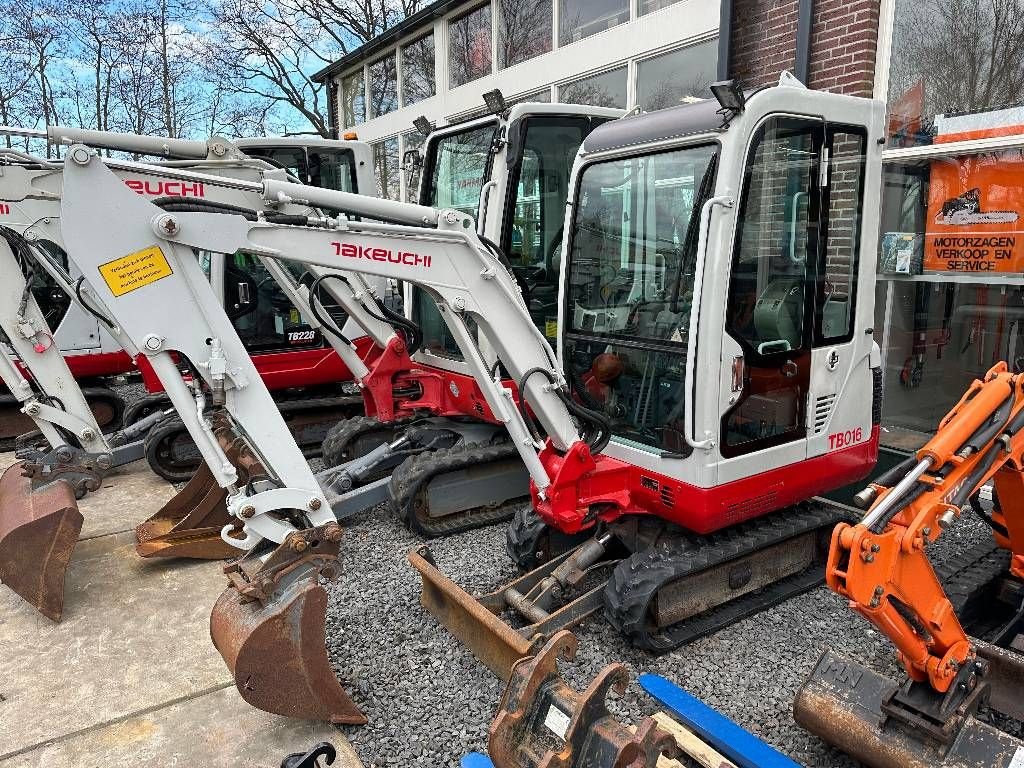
{"type": "Point", "coordinates": [551, 328]}
{"type": "Point", "coordinates": [136, 270]}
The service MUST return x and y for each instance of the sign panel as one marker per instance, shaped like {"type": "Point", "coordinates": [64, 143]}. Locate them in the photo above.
{"type": "Point", "coordinates": [136, 270]}
{"type": "Point", "coordinates": [976, 212]}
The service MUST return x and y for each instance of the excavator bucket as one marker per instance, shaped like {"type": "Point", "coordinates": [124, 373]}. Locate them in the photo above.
{"type": "Point", "coordinates": [847, 705]}
{"type": "Point", "coordinates": [189, 525]}
{"type": "Point", "coordinates": [269, 627]}
{"type": "Point", "coordinates": [39, 527]}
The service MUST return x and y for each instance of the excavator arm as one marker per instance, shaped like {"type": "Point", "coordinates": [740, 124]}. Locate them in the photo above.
{"type": "Point", "coordinates": [138, 261]}
{"type": "Point", "coordinates": [881, 564]}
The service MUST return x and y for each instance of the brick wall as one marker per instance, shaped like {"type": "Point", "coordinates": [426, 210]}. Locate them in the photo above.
{"type": "Point", "coordinates": [844, 34]}
{"type": "Point", "coordinates": [844, 38]}
{"type": "Point", "coordinates": [763, 40]}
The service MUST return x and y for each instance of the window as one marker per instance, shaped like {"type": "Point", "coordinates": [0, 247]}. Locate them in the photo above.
{"type": "Point", "coordinates": [262, 315]}
{"type": "Point", "coordinates": [535, 211]}
{"type": "Point", "coordinates": [605, 90]}
{"type": "Point", "coordinates": [954, 59]}
{"type": "Point", "coordinates": [353, 98]}
{"type": "Point", "coordinates": [317, 166]}
{"type": "Point", "coordinates": [578, 19]}
{"type": "Point", "coordinates": [386, 164]}
{"type": "Point", "coordinates": [650, 6]}
{"type": "Point", "coordinates": [383, 86]}
{"type": "Point", "coordinates": [469, 46]}
{"type": "Point", "coordinates": [842, 246]}
{"type": "Point", "coordinates": [524, 30]}
{"type": "Point", "coordinates": [418, 70]}
{"type": "Point", "coordinates": [951, 293]}
{"type": "Point", "coordinates": [543, 96]}
{"type": "Point", "coordinates": [412, 141]}
{"type": "Point", "coordinates": [678, 76]}
{"type": "Point", "coordinates": [632, 259]}
{"type": "Point", "coordinates": [771, 283]}
{"type": "Point", "coordinates": [456, 166]}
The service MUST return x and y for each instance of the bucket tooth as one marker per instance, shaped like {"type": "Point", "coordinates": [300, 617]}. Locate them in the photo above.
{"type": "Point", "coordinates": [189, 525]}
{"type": "Point", "coordinates": [842, 701]}
{"type": "Point", "coordinates": [39, 528]}
{"type": "Point", "coordinates": [269, 627]}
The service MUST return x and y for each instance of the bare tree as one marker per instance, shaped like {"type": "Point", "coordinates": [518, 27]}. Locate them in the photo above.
{"type": "Point", "coordinates": [969, 54]}
{"type": "Point", "coordinates": [269, 51]}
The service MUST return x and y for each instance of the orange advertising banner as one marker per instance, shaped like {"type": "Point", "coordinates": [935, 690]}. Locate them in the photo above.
{"type": "Point", "coordinates": [976, 210]}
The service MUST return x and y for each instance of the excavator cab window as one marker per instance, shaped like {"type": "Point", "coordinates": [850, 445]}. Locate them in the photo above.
{"type": "Point", "coordinates": [632, 257]}
{"type": "Point", "coordinates": [535, 210]}
{"type": "Point", "coordinates": [262, 314]}
{"type": "Point", "coordinates": [326, 167]}
{"type": "Point", "coordinates": [457, 166]}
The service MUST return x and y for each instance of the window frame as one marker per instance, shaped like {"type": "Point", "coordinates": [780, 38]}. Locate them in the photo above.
{"type": "Point", "coordinates": [819, 340]}
{"type": "Point", "coordinates": [448, 40]}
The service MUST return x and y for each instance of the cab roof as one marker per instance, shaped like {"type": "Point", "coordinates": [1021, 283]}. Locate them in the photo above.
{"type": "Point", "coordinates": [671, 123]}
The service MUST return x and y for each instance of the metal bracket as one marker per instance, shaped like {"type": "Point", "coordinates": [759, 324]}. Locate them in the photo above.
{"type": "Point", "coordinates": [542, 721]}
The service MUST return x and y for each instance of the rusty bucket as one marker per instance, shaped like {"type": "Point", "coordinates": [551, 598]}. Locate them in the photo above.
{"type": "Point", "coordinates": [189, 525]}
{"type": "Point", "coordinates": [269, 627]}
{"type": "Point", "coordinates": [39, 528]}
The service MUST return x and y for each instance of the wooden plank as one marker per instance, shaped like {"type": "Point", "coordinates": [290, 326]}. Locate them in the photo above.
{"type": "Point", "coordinates": [691, 744]}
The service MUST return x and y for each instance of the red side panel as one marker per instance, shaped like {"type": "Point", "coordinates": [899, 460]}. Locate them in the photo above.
{"type": "Point", "coordinates": [91, 366]}
{"type": "Point", "coordinates": [282, 370]}
{"type": "Point", "coordinates": [702, 510]}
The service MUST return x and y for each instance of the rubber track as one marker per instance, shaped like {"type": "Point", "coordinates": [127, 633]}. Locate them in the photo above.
{"type": "Point", "coordinates": [637, 579]}
{"type": "Point", "coordinates": [286, 406]}
{"type": "Point", "coordinates": [91, 394]}
{"type": "Point", "coordinates": [970, 572]}
{"type": "Point", "coordinates": [344, 432]}
{"type": "Point", "coordinates": [522, 539]}
{"type": "Point", "coordinates": [411, 477]}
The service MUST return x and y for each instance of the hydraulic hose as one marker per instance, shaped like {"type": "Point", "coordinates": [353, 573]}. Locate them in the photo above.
{"type": "Point", "coordinates": [94, 312]}
{"type": "Point", "coordinates": [596, 435]}
{"type": "Point", "coordinates": [327, 323]}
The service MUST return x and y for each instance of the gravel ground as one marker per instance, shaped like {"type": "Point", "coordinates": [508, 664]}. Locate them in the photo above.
{"type": "Point", "coordinates": [429, 701]}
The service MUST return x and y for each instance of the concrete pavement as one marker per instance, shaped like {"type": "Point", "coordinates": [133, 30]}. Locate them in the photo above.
{"type": "Point", "coordinates": [129, 676]}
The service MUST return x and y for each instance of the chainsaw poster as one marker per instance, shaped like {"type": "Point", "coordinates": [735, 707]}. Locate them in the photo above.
{"type": "Point", "coordinates": [976, 214]}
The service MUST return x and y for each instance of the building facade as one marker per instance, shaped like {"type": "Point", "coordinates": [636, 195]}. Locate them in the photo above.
{"type": "Point", "coordinates": [440, 62]}
{"type": "Point", "coordinates": [950, 286]}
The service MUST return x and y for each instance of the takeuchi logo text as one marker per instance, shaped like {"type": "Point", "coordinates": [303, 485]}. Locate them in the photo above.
{"type": "Point", "coordinates": [166, 188]}
{"type": "Point", "coordinates": [408, 258]}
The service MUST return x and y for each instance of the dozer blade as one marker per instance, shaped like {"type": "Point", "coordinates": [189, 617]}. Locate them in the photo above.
{"type": "Point", "coordinates": [189, 525]}
{"type": "Point", "coordinates": [842, 702]}
{"type": "Point", "coordinates": [497, 645]}
{"type": "Point", "coordinates": [269, 627]}
{"type": "Point", "coordinates": [39, 528]}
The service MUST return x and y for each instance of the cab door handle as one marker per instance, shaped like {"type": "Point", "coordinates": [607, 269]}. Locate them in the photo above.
{"type": "Point", "coordinates": [739, 372]}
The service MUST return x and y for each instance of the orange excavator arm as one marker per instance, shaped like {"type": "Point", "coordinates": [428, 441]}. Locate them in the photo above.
{"type": "Point", "coordinates": [881, 564]}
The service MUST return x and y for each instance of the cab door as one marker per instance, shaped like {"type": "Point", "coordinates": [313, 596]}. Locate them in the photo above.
{"type": "Point", "coordinates": [767, 348]}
